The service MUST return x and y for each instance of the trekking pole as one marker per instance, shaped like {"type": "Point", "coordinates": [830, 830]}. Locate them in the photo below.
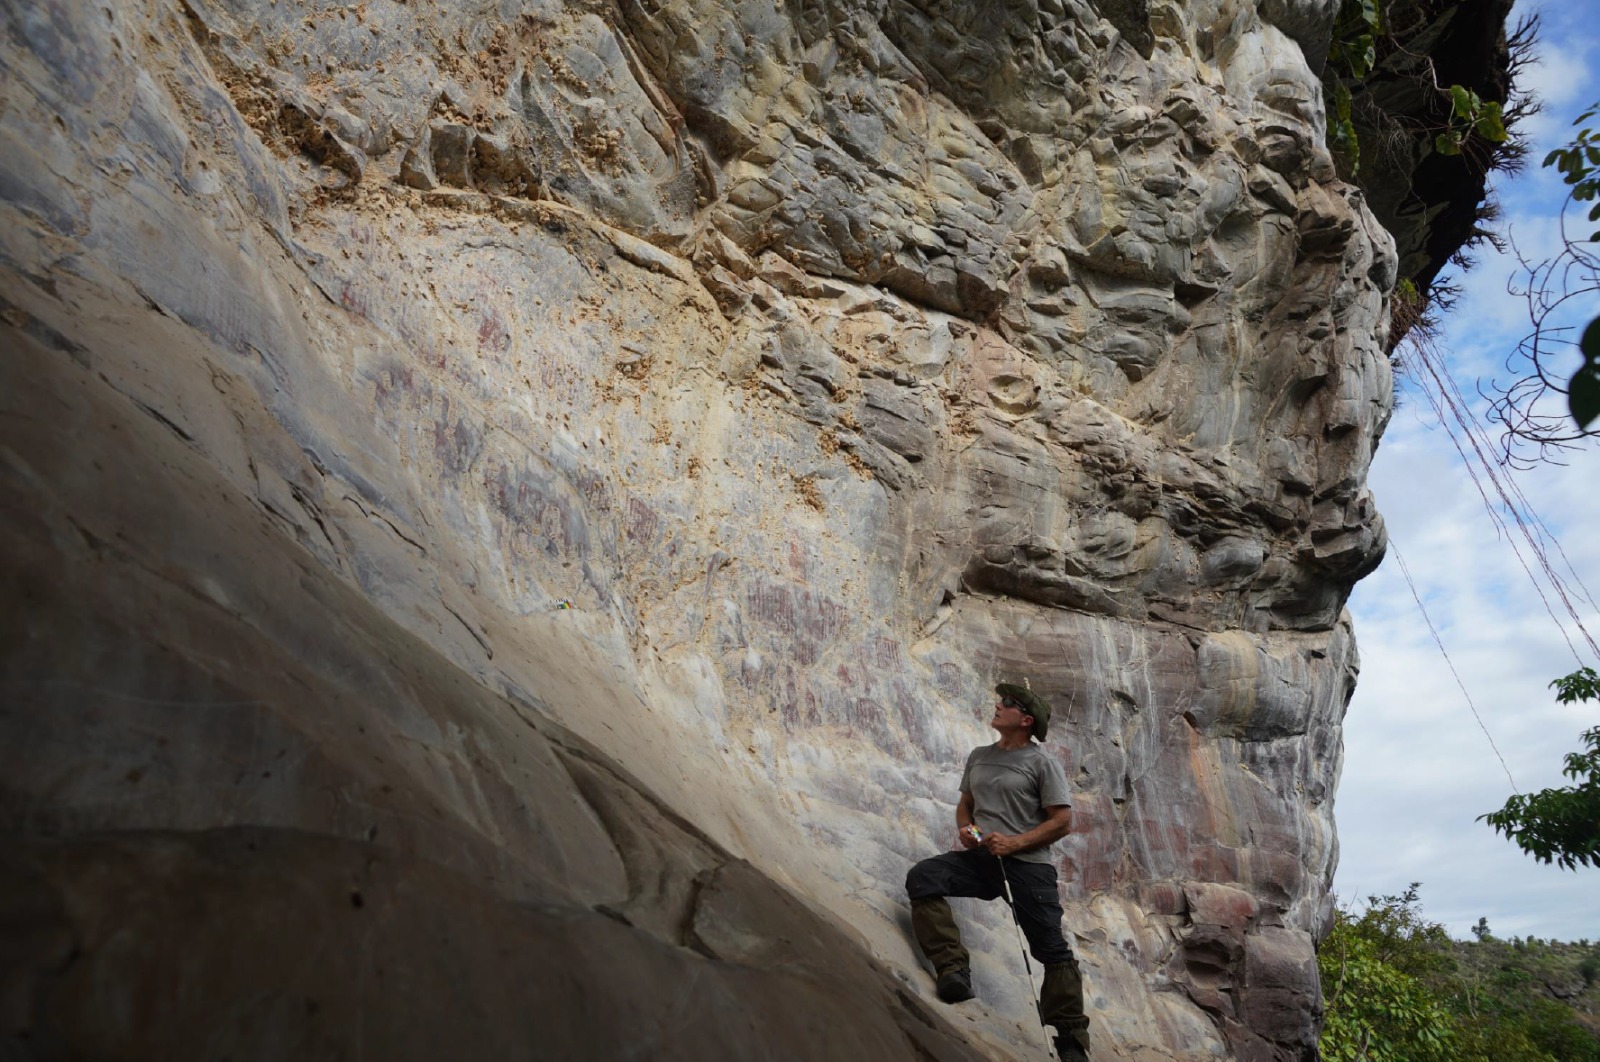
{"type": "Point", "coordinates": [1049, 1047]}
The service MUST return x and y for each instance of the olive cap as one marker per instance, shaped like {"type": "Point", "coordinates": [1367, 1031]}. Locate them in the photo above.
{"type": "Point", "coordinates": [1031, 703]}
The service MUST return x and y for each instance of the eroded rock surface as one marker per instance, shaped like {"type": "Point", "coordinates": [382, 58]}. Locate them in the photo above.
{"type": "Point", "coordinates": [832, 361]}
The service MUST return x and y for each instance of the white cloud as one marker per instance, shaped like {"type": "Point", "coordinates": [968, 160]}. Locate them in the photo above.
{"type": "Point", "coordinates": [1563, 73]}
{"type": "Point", "coordinates": [1418, 768]}
{"type": "Point", "coordinates": [1560, 74]}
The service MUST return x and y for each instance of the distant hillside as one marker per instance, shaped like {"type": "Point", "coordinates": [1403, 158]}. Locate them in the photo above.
{"type": "Point", "coordinates": [1398, 989]}
{"type": "Point", "coordinates": [1546, 988]}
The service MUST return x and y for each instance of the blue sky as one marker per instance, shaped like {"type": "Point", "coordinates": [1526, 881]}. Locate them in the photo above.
{"type": "Point", "coordinates": [1418, 767]}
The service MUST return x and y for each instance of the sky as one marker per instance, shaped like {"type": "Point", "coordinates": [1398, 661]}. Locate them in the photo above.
{"type": "Point", "coordinates": [1419, 768]}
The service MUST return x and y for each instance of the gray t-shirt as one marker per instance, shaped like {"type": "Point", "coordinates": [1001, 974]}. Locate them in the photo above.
{"type": "Point", "coordinates": [1011, 788]}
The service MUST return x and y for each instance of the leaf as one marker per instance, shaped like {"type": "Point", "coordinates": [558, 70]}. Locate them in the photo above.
{"type": "Point", "coordinates": [1490, 125]}
{"type": "Point", "coordinates": [1551, 158]}
{"type": "Point", "coordinates": [1446, 144]}
{"type": "Point", "coordinates": [1583, 390]}
{"type": "Point", "coordinates": [1366, 56]}
{"type": "Point", "coordinates": [1461, 101]}
{"type": "Point", "coordinates": [1583, 396]}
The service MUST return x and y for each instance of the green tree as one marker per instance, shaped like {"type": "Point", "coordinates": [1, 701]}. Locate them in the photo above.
{"type": "Point", "coordinates": [1561, 825]}
{"type": "Point", "coordinates": [1378, 1005]}
{"type": "Point", "coordinates": [1396, 988]}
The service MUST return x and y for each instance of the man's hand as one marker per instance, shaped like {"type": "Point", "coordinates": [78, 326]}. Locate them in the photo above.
{"type": "Point", "coordinates": [1001, 844]}
{"type": "Point", "coordinates": [967, 840]}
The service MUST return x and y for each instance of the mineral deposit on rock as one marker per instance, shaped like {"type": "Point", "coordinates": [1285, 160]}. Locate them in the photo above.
{"type": "Point", "coordinates": [831, 360]}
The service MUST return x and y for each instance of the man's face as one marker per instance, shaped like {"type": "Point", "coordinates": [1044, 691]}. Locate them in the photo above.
{"type": "Point", "coordinates": [1007, 715]}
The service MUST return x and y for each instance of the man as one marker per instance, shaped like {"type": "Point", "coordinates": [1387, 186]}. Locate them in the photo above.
{"type": "Point", "coordinates": [1016, 797]}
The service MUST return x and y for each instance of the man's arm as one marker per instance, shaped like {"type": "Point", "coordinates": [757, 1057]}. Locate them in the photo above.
{"type": "Point", "coordinates": [964, 819]}
{"type": "Point", "coordinates": [1057, 824]}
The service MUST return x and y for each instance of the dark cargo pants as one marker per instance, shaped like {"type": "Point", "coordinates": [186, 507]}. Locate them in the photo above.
{"type": "Point", "coordinates": [976, 873]}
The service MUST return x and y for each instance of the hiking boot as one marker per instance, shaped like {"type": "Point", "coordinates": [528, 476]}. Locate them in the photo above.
{"type": "Point", "coordinates": [934, 925]}
{"type": "Point", "coordinates": [1068, 1049]}
{"type": "Point", "coordinates": [956, 986]}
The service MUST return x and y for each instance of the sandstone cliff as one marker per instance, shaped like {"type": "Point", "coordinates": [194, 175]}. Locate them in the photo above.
{"type": "Point", "coordinates": [832, 360]}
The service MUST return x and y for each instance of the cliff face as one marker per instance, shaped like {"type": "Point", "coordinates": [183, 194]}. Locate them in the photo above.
{"type": "Point", "coordinates": [832, 361]}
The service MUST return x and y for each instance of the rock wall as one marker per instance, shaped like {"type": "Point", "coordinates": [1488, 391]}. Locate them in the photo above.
{"type": "Point", "coordinates": [514, 510]}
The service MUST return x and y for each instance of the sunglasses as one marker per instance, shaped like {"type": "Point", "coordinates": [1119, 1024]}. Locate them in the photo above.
{"type": "Point", "coordinates": [1007, 702]}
